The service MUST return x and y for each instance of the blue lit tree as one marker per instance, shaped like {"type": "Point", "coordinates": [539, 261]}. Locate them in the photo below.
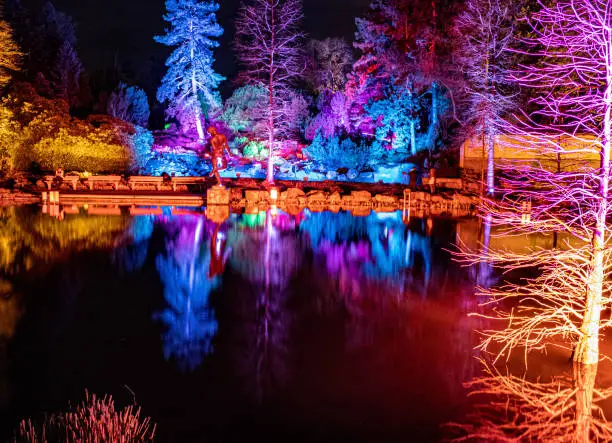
{"type": "Point", "coordinates": [129, 103]}
{"type": "Point", "coordinates": [190, 84]}
{"type": "Point", "coordinates": [397, 119]}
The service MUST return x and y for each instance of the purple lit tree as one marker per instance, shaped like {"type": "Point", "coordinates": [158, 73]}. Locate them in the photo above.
{"type": "Point", "coordinates": [268, 42]}
{"type": "Point", "coordinates": [485, 29]}
{"type": "Point", "coordinates": [572, 116]}
{"type": "Point", "coordinates": [190, 82]}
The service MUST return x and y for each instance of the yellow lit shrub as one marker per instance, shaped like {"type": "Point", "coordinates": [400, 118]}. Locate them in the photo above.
{"type": "Point", "coordinates": [89, 152]}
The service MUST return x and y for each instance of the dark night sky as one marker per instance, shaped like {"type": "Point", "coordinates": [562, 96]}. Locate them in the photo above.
{"type": "Point", "coordinates": [126, 27]}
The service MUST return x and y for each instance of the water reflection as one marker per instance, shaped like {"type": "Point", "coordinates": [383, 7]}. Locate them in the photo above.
{"type": "Point", "coordinates": [322, 320]}
{"type": "Point", "coordinates": [266, 258]}
{"type": "Point", "coordinates": [184, 270]}
{"type": "Point", "coordinates": [567, 407]}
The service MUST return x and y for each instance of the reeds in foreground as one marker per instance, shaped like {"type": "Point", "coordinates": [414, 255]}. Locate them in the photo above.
{"type": "Point", "coordinates": [93, 421]}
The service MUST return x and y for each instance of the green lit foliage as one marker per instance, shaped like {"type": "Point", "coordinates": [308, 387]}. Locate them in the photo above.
{"type": "Point", "coordinates": [244, 111]}
{"type": "Point", "coordinates": [9, 139]}
{"type": "Point", "coordinates": [255, 149]}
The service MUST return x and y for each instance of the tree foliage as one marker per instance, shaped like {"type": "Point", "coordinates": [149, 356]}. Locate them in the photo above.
{"type": "Point", "coordinates": [330, 60]}
{"type": "Point", "coordinates": [190, 84]}
{"type": "Point", "coordinates": [129, 103]}
{"type": "Point", "coordinates": [10, 55]}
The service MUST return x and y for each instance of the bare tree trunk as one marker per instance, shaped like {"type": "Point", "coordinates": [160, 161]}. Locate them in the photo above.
{"type": "Point", "coordinates": [584, 379]}
{"type": "Point", "coordinates": [490, 163]}
{"type": "Point", "coordinates": [434, 115]}
{"type": "Point", "coordinates": [587, 349]}
{"type": "Point", "coordinates": [194, 91]}
{"type": "Point", "coordinates": [271, 104]}
{"type": "Point", "coordinates": [413, 149]}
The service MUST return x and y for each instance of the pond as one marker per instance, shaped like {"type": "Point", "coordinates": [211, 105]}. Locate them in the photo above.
{"type": "Point", "coordinates": [316, 326]}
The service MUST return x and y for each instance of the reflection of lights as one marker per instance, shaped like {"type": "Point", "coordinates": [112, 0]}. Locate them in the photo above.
{"type": "Point", "coordinates": [274, 194]}
{"type": "Point", "coordinates": [273, 211]}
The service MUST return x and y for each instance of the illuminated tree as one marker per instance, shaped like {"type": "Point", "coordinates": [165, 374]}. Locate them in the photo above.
{"type": "Point", "coordinates": [511, 408]}
{"type": "Point", "coordinates": [268, 42]}
{"type": "Point", "coordinates": [10, 56]}
{"type": "Point", "coordinates": [572, 104]}
{"type": "Point", "coordinates": [485, 30]}
{"type": "Point", "coordinates": [190, 84]}
{"type": "Point", "coordinates": [129, 103]}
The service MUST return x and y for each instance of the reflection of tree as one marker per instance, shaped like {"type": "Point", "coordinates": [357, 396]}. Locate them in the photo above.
{"type": "Point", "coordinates": [515, 409]}
{"type": "Point", "coordinates": [10, 311]}
{"type": "Point", "coordinates": [267, 258]}
{"type": "Point", "coordinates": [28, 237]}
{"type": "Point", "coordinates": [184, 271]}
{"type": "Point", "coordinates": [131, 257]}
{"type": "Point", "coordinates": [391, 247]}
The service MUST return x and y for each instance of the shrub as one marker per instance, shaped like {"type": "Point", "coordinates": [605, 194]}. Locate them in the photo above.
{"type": "Point", "coordinates": [141, 147]}
{"type": "Point", "coordinates": [255, 149]}
{"type": "Point", "coordinates": [89, 152]}
{"type": "Point", "coordinates": [336, 152]}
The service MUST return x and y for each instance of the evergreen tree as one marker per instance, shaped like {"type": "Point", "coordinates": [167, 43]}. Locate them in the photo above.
{"type": "Point", "coordinates": [402, 43]}
{"type": "Point", "coordinates": [190, 82]}
{"type": "Point", "coordinates": [129, 103]}
{"type": "Point", "coordinates": [45, 38]}
{"type": "Point", "coordinates": [66, 75]}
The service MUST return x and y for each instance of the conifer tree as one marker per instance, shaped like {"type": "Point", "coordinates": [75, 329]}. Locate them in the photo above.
{"type": "Point", "coordinates": [129, 103]}
{"type": "Point", "coordinates": [66, 74]}
{"type": "Point", "coordinates": [190, 82]}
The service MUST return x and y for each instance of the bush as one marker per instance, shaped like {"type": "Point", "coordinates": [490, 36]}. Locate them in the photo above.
{"type": "Point", "coordinates": [89, 152]}
{"type": "Point", "coordinates": [336, 152]}
{"type": "Point", "coordinates": [255, 149]}
{"type": "Point", "coordinates": [141, 145]}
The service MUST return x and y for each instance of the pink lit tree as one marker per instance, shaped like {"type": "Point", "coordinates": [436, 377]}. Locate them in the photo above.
{"type": "Point", "coordinates": [569, 51]}
{"type": "Point", "coordinates": [268, 42]}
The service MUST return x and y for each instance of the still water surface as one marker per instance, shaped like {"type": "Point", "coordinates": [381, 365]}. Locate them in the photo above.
{"type": "Point", "coordinates": [318, 326]}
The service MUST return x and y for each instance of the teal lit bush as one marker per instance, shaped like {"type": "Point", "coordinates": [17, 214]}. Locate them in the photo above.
{"type": "Point", "coordinates": [341, 152]}
{"type": "Point", "coordinates": [255, 149]}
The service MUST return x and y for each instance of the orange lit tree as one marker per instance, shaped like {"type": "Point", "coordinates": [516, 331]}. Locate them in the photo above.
{"type": "Point", "coordinates": [569, 52]}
